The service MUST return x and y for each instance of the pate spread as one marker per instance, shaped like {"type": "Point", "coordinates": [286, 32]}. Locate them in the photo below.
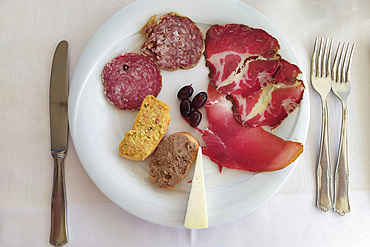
{"type": "Point", "coordinates": [172, 159]}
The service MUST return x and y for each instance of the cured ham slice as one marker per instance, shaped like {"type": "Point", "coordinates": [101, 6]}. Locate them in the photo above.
{"type": "Point", "coordinates": [271, 104]}
{"type": "Point", "coordinates": [240, 39]}
{"type": "Point", "coordinates": [230, 144]}
{"type": "Point", "coordinates": [268, 106]}
{"type": "Point", "coordinates": [245, 66]}
{"type": "Point", "coordinates": [287, 73]}
{"type": "Point", "coordinates": [254, 75]}
{"type": "Point", "coordinates": [230, 47]}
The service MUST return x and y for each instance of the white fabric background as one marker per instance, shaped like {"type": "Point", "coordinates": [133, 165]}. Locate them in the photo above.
{"type": "Point", "coordinates": [29, 32]}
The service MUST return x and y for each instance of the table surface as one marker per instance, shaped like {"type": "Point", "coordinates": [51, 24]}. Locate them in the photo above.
{"type": "Point", "coordinates": [30, 31]}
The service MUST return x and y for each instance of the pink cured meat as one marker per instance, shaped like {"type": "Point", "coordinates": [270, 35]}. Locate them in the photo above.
{"type": "Point", "coordinates": [129, 78]}
{"type": "Point", "coordinates": [174, 42]}
{"type": "Point", "coordinates": [229, 47]}
{"type": "Point", "coordinates": [245, 66]}
{"type": "Point", "coordinates": [253, 76]}
{"type": "Point", "coordinates": [280, 100]}
{"type": "Point", "coordinates": [271, 104]}
{"type": "Point", "coordinates": [287, 73]}
{"type": "Point", "coordinates": [231, 145]}
{"type": "Point", "coordinates": [240, 39]}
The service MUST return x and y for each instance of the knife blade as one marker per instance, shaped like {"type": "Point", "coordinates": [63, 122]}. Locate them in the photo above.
{"type": "Point", "coordinates": [58, 99]}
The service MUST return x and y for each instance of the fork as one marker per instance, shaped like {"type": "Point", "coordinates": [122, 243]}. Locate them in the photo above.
{"type": "Point", "coordinates": [341, 86]}
{"type": "Point", "coordinates": [321, 82]}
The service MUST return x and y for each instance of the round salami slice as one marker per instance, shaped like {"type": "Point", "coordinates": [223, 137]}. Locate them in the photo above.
{"type": "Point", "coordinates": [173, 42]}
{"type": "Point", "coordinates": [129, 78]}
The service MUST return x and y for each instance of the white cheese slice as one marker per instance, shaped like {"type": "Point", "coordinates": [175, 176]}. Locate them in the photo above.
{"type": "Point", "coordinates": [196, 214]}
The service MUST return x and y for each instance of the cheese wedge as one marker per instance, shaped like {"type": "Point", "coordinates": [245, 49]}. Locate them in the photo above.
{"type": "Point", "coordinates": [196, 214]}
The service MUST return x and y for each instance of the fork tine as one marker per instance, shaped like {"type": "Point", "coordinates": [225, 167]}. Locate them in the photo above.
{"type": "Point", "coordinates": [320, 57]}
{"type": "Point", "coordinates": [343, 63]}
{"type": "Point", "coordinates": [327, 56]}
{"type": "Point", "coordinates": [349, 63]}
{"type": "Point", "coordinates": [335, 70]}
{"type": "Point", "coordinates": [314, 59]}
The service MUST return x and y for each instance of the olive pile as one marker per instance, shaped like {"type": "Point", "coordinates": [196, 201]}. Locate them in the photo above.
{"type": "Point", "coordinates": [188, 108]}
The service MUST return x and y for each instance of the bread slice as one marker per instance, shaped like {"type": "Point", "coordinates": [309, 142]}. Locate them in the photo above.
{"type": "Point", "coordinates": [172, 159]}
{"type": "Point", "coordinates": [151, 123]}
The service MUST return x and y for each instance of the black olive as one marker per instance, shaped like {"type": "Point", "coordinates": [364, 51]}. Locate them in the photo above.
{"type": "Point", "coordinates": [185, 92]}
{"type": "Point", "coordinates": [125, 67]}
{"type": "Point", "coordinates": [199, 100]}
{"type": "Point", "coordinates": [185, 107]}
{"type": "Point", "coordinates": [195, 118]}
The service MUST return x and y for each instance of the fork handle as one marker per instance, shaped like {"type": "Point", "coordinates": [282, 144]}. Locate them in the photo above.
{"type": "Point", "coordinates": [323, 173]}
{"type": "Point", "coordinates": [341, 201]}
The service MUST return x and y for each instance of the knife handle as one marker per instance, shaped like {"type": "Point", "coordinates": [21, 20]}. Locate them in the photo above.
{"type": "Point", "coordinates": [59, 231]}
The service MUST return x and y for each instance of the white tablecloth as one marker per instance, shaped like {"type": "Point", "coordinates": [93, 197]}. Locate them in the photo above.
{"type": "Point", "coordinates": [29, 32]}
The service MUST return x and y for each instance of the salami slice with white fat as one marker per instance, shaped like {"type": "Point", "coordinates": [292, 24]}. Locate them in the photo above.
{"type": "Point", "coordinates": [173, 42]}
{"type": "Point", "coordinates": [129, 78]}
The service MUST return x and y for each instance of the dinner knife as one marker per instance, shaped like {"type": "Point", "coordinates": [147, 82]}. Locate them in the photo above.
{"type": "Point", "coordinates": [59, 138]}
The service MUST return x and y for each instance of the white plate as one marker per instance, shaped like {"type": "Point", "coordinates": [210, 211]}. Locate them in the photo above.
{"type": "Point", "coordinates": [97, 127]}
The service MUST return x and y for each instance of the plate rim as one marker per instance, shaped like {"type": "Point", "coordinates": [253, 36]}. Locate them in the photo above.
{"type": "Point", "coordinates": [76, 88]}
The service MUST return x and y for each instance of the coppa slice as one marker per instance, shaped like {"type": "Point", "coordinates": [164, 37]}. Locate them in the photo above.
{"type": "Point", "coordinates": [230, 144]}
{"type": "Point", "coordinates": [229, 47]}
{"type": "Point", "coordinates": [173, 42]}
{"type": "Point", "coordinates": [253, 75]}
{"type": "Point", "coordinates": [269, 106]}
{"type": "Point", "coordinates": [129, 78]}
{"type": "Point", "coordinates": [264, 92]}
{"type": "Point", "coordinates": [245, 66]}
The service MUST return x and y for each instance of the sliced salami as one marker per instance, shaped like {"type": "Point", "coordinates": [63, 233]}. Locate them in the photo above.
{"type": "Point", "coordinates": [129, 78]}
{"type": "Point", "coordinates": [173, 42]}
